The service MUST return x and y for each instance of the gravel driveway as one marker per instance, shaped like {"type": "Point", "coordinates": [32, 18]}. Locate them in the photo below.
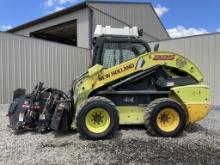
{"type": "Point", "coordinates": [199, 144]}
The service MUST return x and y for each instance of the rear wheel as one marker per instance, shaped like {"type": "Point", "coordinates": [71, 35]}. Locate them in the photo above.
{"type": "Point", "coordinates": [165, 117]}
{"type": "Point", "coordinates": [97, 119]}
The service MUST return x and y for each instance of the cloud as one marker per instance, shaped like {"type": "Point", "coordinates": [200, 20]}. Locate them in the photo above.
{"type": "Point", "coordinates": [58, 8]}
{"type": "Point", "coordinates": [66, 1]}
{"type": "Point", "coordinates": [181, 31]}
{"type": "Point", "coordinates": [5, 27]}
{"type": "Point", "coordinates": [49, 3]}
{"type": "Point", "coordinates": [57, 5]}
{"type": "Point", "coordinates": [161, 10]}
{"type": "Point", "coordinates": [218, 30]}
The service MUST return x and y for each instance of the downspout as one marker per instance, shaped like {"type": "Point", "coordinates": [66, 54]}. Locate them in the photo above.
{"type": "Point", "coordinates": [90, 16]}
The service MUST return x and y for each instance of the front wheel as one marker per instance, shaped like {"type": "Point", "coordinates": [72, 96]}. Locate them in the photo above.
{"type": "Point", "coordinates": [97, 119]}
{"type": "Point", "coordinates": [165, 117]}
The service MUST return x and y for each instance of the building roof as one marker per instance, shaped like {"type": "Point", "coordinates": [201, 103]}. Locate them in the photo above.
{"type": "Point", "coordinates": [68, 10]}
{"type": "Point", "coordinates": [50, 16]}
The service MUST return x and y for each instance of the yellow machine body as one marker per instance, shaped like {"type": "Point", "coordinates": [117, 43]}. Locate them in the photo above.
{"type": "Point", "coordinates": [194, 98]}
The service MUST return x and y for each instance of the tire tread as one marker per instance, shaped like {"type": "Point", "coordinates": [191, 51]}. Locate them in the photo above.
{"type": "Point", "coordinates": [150, 109]}
{"type": "Point", "coordinates": [92, 100]}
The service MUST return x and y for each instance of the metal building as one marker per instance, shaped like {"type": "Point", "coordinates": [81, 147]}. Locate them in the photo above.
{"type": "Point", "coordinates": [75, 25]}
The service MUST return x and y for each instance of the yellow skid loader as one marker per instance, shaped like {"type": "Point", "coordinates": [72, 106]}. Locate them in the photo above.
{"type": "Point", "coordinates": [130, 85]}
{"type": "Point", "coordinates": [127, 84]}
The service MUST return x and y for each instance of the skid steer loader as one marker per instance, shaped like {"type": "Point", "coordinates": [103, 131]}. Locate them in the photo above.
{"type": "Point", "coordinates": [128, 84]}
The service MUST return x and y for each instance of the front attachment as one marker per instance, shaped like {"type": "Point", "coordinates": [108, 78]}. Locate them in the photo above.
{"type": "Point", "coordinates": [35, 110]}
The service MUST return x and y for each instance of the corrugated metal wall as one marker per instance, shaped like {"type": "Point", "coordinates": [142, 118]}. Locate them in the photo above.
{"type": "Point", "coordinates": [24, 61]}
{"type": "Point", "coordinates": [141, 15]}
{"type": "Point", "coordinates": [204, 51]}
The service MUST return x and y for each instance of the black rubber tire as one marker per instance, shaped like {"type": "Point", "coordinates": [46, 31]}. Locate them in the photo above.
{"type": "Point", "coordinates": [91, 103]}
{"type": "Point", "coordinates": [153, 110]}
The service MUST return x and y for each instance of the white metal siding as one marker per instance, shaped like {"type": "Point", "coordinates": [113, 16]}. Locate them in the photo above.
{"type": "Point", "coordinates": [82, 17]}
{"type": "Point", "coordinates": [204, 51]}
{"type": "Point", "coordinates": [141, 15]}
{"type": "Point", "coordinates": [25, 61]}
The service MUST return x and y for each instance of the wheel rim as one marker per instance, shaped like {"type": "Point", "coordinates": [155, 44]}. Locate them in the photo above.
{"type": "Point", "coordinates": [168, 120]}
{"type": "Point", "coordinates": [97, 120]}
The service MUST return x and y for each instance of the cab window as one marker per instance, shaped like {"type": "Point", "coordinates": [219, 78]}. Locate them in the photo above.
{"type": "Point", "coordinates": [116, 53]}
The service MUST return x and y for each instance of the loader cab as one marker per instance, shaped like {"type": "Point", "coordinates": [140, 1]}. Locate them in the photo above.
{"type": "Point", "coordinates": [111, 51]}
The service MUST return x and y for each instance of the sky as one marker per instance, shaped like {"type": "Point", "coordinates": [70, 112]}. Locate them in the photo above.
{"type": "Point", "coordinates": [180, 17]}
